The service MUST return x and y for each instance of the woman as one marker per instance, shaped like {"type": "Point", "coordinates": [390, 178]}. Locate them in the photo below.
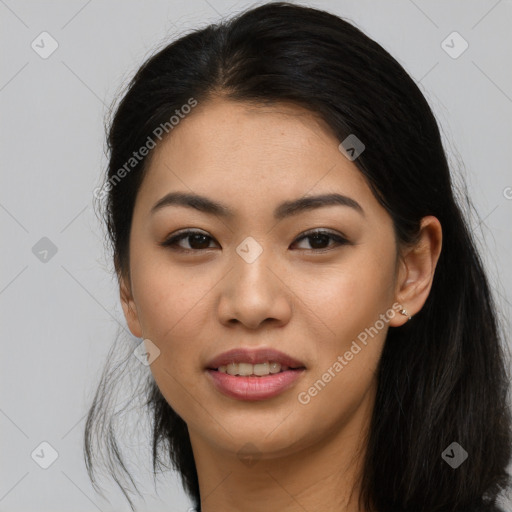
{"type": "Point", "coordinates": [319, 328]}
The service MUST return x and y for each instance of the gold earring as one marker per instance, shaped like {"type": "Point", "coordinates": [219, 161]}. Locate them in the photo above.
{"type": "Point", "coordinates": [404, 312]}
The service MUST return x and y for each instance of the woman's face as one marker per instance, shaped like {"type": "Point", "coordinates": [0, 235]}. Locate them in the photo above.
{"type": "Point", "coordinates": [254, 281]}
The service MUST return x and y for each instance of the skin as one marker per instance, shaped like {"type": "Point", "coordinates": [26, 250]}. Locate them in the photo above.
{"type": "Point", "coordinates": [310, 305]}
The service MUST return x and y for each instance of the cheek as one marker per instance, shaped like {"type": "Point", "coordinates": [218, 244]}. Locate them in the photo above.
{"type": "Point", "coordinates": [174, 306]}
{"type": "Point", "coordinates": [351, 296]}
{"type": "Point", "coordinates": [167, 296]}
{"type": "Point", "coordinates": [350, 301]}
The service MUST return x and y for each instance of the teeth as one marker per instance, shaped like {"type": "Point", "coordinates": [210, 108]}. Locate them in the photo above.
{"type": "Point", "coordinates": [261, 369]}
{"type": "Point", "coordinates": [246, 369]}
{"type": "Point", "coordinates": [276, 368]}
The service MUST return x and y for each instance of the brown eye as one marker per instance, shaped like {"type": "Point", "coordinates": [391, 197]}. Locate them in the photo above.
{"type": "Point", "coordinates": [319, 240]}
{"type": "Point", "coordinates": [197, 241]}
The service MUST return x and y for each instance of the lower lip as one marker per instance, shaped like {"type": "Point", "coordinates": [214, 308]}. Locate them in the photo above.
{"type": "Point", "coordinates": [254, 388]}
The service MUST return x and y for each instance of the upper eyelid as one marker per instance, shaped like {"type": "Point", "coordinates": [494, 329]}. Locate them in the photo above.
{"type": "Point", "coordinates": [322, 231]}
{"type": "Point", "coordinates": [181, 235]}
{"type": "Point", "coordinates": [311, 231]}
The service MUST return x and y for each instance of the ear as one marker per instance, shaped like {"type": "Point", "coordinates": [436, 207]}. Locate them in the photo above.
{"type": "Point", "coordinates": [417, 267]}
{"type": "Point", "coordinates": [129, 307]}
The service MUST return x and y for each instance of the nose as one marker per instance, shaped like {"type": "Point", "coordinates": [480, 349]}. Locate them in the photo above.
{"type": "Point", "coordinates": [255, 293]}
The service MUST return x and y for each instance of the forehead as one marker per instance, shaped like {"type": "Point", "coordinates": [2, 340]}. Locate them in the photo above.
{"type": "Point", "coordinates": [219, 132]}
{"type": "Point", "coordinates": [246, 154]}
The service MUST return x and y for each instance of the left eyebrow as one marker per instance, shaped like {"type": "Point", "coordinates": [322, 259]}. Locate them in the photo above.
{"type": "Point", "coordinates": [289, 208]}
{"type": "Point", "coordinates": [285, 209]}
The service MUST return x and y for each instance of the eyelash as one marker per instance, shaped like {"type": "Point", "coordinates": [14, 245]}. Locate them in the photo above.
{"type": "Point", "coordinates": [172, 241]}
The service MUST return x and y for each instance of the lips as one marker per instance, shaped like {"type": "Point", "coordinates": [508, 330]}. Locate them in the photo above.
{"type": "Point", "coordinates": [254, 388]}
{"type": "Point", "coordinates": [257, 374]}
{"type": "Point", "coordinates": [254, 356]}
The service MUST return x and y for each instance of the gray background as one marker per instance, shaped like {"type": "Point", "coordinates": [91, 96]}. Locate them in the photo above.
{"type": "Point", "coordinates": [59, 316]}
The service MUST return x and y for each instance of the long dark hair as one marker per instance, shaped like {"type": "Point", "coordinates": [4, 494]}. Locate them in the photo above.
{"type": "Point", "coordinates": [443, 376]}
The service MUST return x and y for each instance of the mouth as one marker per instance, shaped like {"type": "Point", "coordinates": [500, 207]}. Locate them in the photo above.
{"type": "Point", "coordinates": [255, 370]}
{"type": "Point", "coordinates": [258, 362]}
{"type": "Point", "coordinates": [254, 374]}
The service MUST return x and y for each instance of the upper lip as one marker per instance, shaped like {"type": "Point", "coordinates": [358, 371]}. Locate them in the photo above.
{"type": "Point", "coordinates": [253, 356]}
